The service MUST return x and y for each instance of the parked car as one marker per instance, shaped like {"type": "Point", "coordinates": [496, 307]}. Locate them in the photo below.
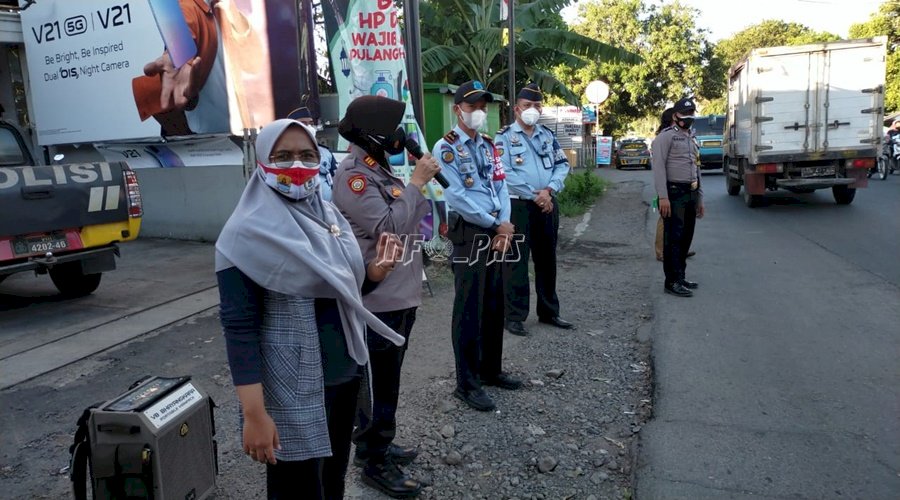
{"type": "Point", "coordinates": [633, 153]}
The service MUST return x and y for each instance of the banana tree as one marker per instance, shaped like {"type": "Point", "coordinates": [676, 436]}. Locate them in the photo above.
{"type": "Point", "coordinates": [464, 39]}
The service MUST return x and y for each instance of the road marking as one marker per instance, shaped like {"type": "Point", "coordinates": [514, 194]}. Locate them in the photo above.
{"type": "Point", "coordinates": [582, 226]}
{"type": "Point", "coordinates": [50, 356]}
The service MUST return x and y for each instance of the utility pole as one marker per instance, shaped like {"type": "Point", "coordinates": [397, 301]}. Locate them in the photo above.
{"type": "Point", "coordinates": [414, 58]}
{"type": "Point", "coordinates": [512, 59]}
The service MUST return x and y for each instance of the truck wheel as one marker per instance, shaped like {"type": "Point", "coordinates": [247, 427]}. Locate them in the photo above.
{"type": "Point", "coordinates": [71, 282]}
{"type": "Point", "coordinates": [731, 184]}
{"type": "Point", "coordinates": [843, 195]}
{"type": "Point", "coordinates": [752, 200]}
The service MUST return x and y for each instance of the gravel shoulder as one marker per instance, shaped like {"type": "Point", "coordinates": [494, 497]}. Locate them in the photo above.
{"type": "Point", "coordinates": [571, 432]}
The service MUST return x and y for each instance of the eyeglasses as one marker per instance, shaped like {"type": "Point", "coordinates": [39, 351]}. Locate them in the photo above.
{"type": "Point", "coordinates": [283, 159]}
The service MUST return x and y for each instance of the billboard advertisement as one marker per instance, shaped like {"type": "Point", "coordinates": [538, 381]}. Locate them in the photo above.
{"type": "Point", "coordinates": [604, 149]}
{"type": "Point", "coordinates": [106, 70]}
{"type": "Point", "coordinates": [368, 57]}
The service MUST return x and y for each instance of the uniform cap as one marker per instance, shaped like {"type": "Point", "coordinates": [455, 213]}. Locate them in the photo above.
{"type": "Point", "coordinates": [531, 92]}
{"type": "Point", "coordinates": [685, 105]}
{"type": "Point", "coordinates": [300, 113]}
{"type": "Point", "coordinates": [472, 92]}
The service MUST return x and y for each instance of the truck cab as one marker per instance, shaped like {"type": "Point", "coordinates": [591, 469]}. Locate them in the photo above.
{"type": "Point", "coordinates": [708, 132]}
{"type": "Point", "coordinates": [64, 220]}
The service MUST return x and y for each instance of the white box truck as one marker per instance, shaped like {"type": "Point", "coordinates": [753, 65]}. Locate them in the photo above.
{"type": "Point", "coordinates": [804, 118]}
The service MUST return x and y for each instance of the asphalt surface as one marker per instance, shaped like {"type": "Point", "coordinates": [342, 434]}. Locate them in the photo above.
{"type": "Point", "coordinates": [778, 379]}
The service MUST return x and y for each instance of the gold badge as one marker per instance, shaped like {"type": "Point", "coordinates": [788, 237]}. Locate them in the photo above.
{"type": "Point", "coordinates": [396, 192]}
{"type": "Point", "coordinates": [469, 181]}
{"type": "Point", "coordinates": [183, 430]}
{"type": "Point", "coordinates": [357, 183]}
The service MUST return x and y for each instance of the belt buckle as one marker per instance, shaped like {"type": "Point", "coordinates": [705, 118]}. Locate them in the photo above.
{"type": "Point", "coordinates": [694, 185]}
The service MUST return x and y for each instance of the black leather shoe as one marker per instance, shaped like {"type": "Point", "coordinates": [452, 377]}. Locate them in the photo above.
{"type": "Point", "coordinates": [400, 455]}
{"type": "Point", "coordinates": [557, 322]}
{"type": "Point", "coordinates": [397, 454]}
{"type": "Point", "coordinates": [689, 284]}
{"type": "Point", "coordinates": [678, 290]}
{"type": "Point", "coordinates": [477, 399]}
{"type": "Point", "coordinates": [387, 478]}
{"type": "Point", "coordinates": [503, 381]}
{"type": "Point", "coordinates": [516, 328]}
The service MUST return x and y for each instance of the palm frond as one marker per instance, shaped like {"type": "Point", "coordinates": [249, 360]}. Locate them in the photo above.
{"type": "Point", "coordinates": [441, 58]}
{"type": "Point", "coordinates": [531, 13]}
{"type": "Point", "coordinates": [549, 84]}
{"type": "Point", "coordinates": [579, 45]}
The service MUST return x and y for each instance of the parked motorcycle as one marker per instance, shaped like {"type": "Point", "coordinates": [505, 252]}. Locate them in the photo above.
{"type": "Point", "coordinates": [889, 159]}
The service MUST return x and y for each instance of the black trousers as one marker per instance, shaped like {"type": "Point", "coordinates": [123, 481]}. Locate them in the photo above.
{"type": "Point", "coordinates": [679, 230]}
{"type": "Point", "coordinates": [373, 436]}
{"type": "Point", "coordinates": [320, 478]}
{"type": "Point", "coordinates": [541, 235]}
{"type": "Point", "coordinates": [477, 309]}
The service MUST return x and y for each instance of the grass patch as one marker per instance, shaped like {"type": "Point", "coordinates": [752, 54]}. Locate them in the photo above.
{"type": "Point", "coordinates": [581, 189]}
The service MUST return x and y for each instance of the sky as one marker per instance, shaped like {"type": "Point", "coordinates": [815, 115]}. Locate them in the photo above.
{"type": "Point", "coordinates": [726, 17]}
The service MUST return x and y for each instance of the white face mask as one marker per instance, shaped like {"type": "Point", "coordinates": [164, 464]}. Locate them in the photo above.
{"type": "Point", "coordinates": [474, 119]}
{"type": "Point", "coordinates": [530, 116]}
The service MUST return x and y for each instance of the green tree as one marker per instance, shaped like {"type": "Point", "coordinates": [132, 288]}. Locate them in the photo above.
{"type": "Point", "coordinates": [769, 33]}
{"type": "Point", "coordinates": [678, 59]}
{"type": "Point", "coordinates": [463, 40]}
{"type": "Point", "coordinates": [886, 22]}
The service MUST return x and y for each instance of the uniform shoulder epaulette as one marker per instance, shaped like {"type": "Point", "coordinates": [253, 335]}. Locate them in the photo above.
{"type": "Point", "coordinates": [503, 130]}
{"type": "Point", "coordinates": [487, 138]}
{"type": "Point", "coordinates": [451, 137]}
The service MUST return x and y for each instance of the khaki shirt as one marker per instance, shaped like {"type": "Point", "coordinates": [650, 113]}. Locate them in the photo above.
{"type": "Point", "coordinates": [674, 158]}
{"type": "Point", "coordinates": [375, 201]}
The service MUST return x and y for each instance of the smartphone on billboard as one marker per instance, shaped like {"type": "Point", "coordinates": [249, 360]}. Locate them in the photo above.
{"type": "Point", "coordinates": [165, 156]}
{"type": "Point", "coordinates": [174, 31]}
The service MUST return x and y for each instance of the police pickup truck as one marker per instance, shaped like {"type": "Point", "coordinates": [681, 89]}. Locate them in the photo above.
{"type": "Point", "coordinates": [65, 220]}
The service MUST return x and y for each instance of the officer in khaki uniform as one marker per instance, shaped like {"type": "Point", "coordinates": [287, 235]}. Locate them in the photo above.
{"type": "Point", "coordinates": [375, 201]}
{"type": "Point", "coordinates": [676, 176]}
{"type": "Point", "coordinates": [480, 230]}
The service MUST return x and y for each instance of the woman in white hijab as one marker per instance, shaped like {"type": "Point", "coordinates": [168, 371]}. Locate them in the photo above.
{"type": "Point", "coordinates": [290, 279]}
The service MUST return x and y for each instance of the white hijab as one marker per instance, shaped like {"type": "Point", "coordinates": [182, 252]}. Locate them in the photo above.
{"type": "Point", "coordinates": [299, 248]}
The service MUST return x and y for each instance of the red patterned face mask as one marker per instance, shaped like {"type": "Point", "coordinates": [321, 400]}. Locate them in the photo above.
{"type": "Point", "coordinates": [296, 182]}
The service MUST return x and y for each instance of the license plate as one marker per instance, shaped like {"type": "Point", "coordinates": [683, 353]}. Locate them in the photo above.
{"type": "Point", "coordinates": [816, 171]}
{"type": "Point", "coordinates": [40, 244]}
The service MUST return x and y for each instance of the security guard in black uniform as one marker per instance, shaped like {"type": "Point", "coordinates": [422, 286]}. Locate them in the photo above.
{"type": "Point", "coordinates": [676, 174]}
{"type": "Point", "coordinates": [480, 230]}
{"type": "Point", "coordinates": [536, 168]}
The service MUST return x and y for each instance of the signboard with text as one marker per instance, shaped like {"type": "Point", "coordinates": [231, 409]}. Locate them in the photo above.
{"type": "Point", "coordinates": [604, 149]}
{"type": "Point", "coordinates": [105, 70]}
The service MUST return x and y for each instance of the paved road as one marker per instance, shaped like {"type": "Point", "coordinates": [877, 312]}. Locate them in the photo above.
{"type": "Point", "coordinates": [157, 283]}
{"type": "Point", "coordinates": [779, 379]}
